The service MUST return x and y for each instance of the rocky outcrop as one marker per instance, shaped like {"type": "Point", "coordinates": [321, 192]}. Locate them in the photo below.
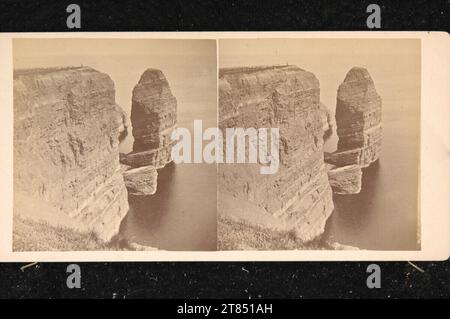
{"type": "Point", "coordinates": [141, 181]}
{"type": "Point", "coordinates": [345, 180]}
{"type": "Point", "coordinates": [153, 117]}
{"type": "Point", "coordinates": [359, 128]}
{"type": "Point", "coordinates": [66, 158]}
{"type": "Point", "coordinates": [298, 198]}
{"type": "Point", "coordinates": [140, 159]}
{"type": "Point", "coordinates": [358, 120]}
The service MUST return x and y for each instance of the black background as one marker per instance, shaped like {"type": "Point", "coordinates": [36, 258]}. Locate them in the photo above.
{"type": "Point", "coordinates": [217, 15]}
{"type": "Point", "coordinates": [231, 279]}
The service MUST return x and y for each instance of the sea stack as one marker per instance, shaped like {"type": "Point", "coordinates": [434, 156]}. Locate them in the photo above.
{"type": "Point", "coordinates": [66, 155]}
{"type": "Point", "coordinates": [297, 198]}
{"type": "Point", "coordinates": [358, 121]}
{"type": "Point", "coordinates": [141, 181]}
{"type": "Point", "coordinates": [153, 117]}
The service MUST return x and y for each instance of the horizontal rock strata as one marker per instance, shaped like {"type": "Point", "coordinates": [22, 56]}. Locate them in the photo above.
{"type": "Point", "coordinates": [141, 181]}
{"type": "Point", "coordinates": [299, 195]}
{"type": "Point", "coordinates": [66, 158]}
{"type": "Point", "coordinates": [359, 128]}
{"type": "Point", "coordinates": [346, 179]}
{"type": "Point", "coordinates": [153, 117]}
{"type": "Point", "coordinates": [358, 120]}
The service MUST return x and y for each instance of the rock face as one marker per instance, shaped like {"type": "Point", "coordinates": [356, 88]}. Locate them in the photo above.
{"type": "Point", "coordinates": [141, 181]}
{"type": "Point", "coordinates": [346, 179]}
{"type": "Point", "coordinates": [298, 197]}
{"type": "Point", "coordinates": [140, 159]}
{"type": "Point", "coordinates": [66, 158]}
{"type": "Point", "coordinates": [124, 123]}
{"type": "Point", "coordinates": [359, 128]}
{"type": "Point", "coordinates": [153, 117]}
{"type": "Point", "coordinates": [358, 120]}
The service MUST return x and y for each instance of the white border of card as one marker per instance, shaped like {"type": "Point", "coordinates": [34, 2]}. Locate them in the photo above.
{"type": "Point", "coordinates": [434, 185]}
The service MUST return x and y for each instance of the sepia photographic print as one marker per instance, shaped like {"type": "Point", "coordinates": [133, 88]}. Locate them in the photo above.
{"type": "Point", "coordinates": [348, 112]}
{"type": "Point", "coordinates": [224, 146]}
{"type": "Point", "coordinates": [93, 120]}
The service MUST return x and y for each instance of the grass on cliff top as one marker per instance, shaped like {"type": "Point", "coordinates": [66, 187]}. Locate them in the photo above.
{"type": "Point", "coordinates": [238, 235]}
{"type": "Point", "coordinates": [29, 235]}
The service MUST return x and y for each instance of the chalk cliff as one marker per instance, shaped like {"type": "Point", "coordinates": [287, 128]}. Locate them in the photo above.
{"type": "Point", "coordinates": [153, 117]}
{"type": "Point", "coordinates": [346, 179]}
{"type": "Point", "coordinates": [298, 198]}
{"type": "Point", "coordinates": [141, 181]}
{"type": "Point", "coordinates": [66, 158]}
{"type": "Point", "coordinates": [358, 120]}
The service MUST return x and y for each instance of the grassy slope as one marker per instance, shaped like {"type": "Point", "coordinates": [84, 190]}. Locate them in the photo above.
{"type": "Point", "coordinates": [31, 235]}
{"type": "Point", "coordinates": [234, 235]}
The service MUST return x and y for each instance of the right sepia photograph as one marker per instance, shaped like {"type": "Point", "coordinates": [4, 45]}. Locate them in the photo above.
{"type": "Point", "coordinates": [322, 144]}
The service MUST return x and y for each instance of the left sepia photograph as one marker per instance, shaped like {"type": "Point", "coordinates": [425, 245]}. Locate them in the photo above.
{"type": "Point", "coordinates": [93, 125]}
